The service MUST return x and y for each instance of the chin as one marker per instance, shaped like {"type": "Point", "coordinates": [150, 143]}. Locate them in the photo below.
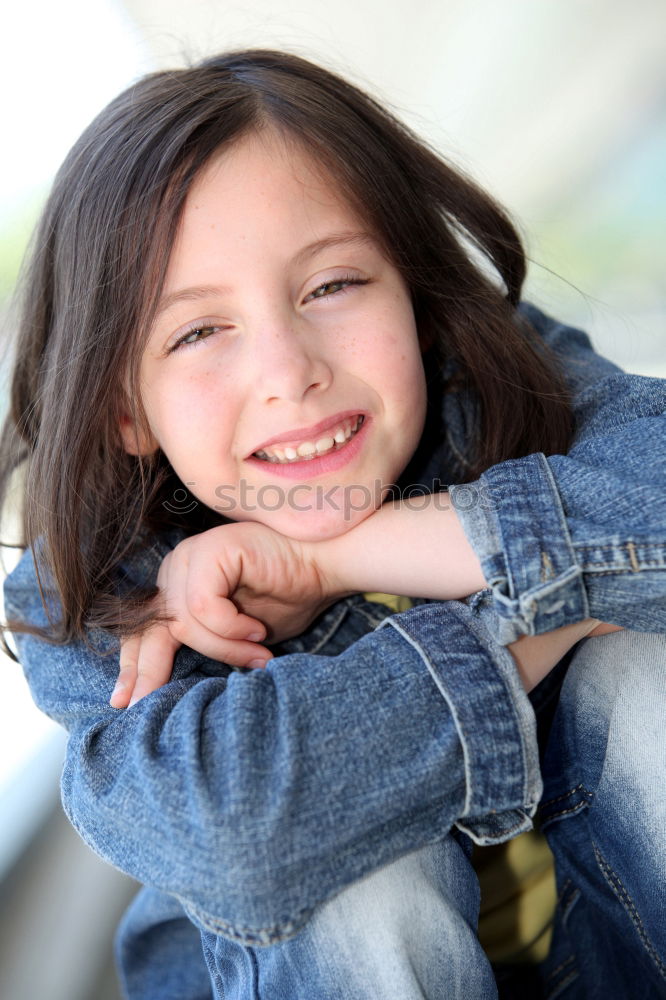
{"type": "Point", "coordinates": [318, 526]}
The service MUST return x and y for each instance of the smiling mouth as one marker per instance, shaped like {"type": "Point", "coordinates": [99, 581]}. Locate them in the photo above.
{"type": "Point", "coordinates": [331, 441]}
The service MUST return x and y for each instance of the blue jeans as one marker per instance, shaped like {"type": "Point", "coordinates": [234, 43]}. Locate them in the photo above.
{"type": "Point", "coordinates": [604, 813]}
{"type": "Point", "coordinates": [408, 930]}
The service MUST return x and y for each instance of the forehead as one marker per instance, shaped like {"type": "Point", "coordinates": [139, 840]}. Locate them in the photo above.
{"type": "Point", "coordinates": [265, 179]}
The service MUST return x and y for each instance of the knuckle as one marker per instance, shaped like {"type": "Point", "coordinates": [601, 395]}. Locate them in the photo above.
{"type": "Point", "coordinates": [199, 603]}
{"type": "Point", "coordinates": [149, 672]}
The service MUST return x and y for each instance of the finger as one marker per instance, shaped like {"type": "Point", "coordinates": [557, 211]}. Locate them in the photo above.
{"type": "Point", "coordinates": [195, 593]}
{"type": "Point", "coordinates": [604, 629]}
{"type": "Point", "coordinates": [155, 661]}
{"type": "Point", "coordinates": [156, 658]}
{"type": "Point", "coordinates": [235, 652]}
{"type": "Point", "coordinates": [209, 593]}
{"type": "Point", "coordinates": [196, 589]}
{"type": "Point", "coordinates": [247, 654]}
{"type": "Point", "coordinates": [129, 655]}
{"type": "Point", "coordinates": [217, 616]}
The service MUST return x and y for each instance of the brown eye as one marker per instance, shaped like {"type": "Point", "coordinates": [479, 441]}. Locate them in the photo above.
{"type": "Point", "coordinates": [327, 289]}
{"type": "Point", "coordinates": [195, 336]}
{"type": "Point", "coordinates": [332, 287]}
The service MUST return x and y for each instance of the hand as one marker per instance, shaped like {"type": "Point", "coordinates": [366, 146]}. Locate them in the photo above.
{"type": "Point", "coordinates": [536, 655]}
{"type": "Point", "coordinates": [225, 591]}
{"type": "Point", "coordinates": [603, 629]}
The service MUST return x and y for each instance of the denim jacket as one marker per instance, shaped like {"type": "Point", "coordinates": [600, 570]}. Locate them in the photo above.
{"type": "Point", "coordinates": [253, 797]}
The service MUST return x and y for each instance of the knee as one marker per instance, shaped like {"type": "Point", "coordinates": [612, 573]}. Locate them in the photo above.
{"type": "Point", "coordinates": [406, 930]}
{"type": "Point", "coordinates": [614, 707]}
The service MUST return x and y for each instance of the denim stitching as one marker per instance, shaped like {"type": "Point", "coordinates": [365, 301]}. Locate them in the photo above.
{"type": "Point", "coordinates": [213, 971]}
{"type": "Point", "coordinates": [518, 826]}
{"type": "Point", "coordinates": [242, 934]}
{"type": "Point", "coordinates": [631, 549]}
{"type": "Point", "coordinates": [587, 799]}
{"type": "Point", "coordinates": [567, 961]}
{"type": "Point", "coordinates": [566, 909]}
{"type": "Point", "coordinates": [626, 901]}
{"type": "Point", "coordinates": [558, 798]}
{"type": "Point", "coordinates": [565, 887]}
{"type": "Point", "coordinates": [330, 632]}
{"type": "Point", "coordinates": [565, 812]}
{"type": "Point", "coordinates": [312, 640]}
{"type": "Point", "coordinates": [255, 974]}
{"type": "Point", "coordinates": [573, 975]}
{"type": "Point", "coordinates": [478, 825]}
{"type": "Point", "coordinates": [614, 546]}
{"type": "Point", "coordinates": [590, 568]}
{"type": "Point", "coordinates": [372, 619]}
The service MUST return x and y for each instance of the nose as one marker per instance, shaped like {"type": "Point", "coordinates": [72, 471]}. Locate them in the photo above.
{"type": "Point", "coordinates": [289, 364]}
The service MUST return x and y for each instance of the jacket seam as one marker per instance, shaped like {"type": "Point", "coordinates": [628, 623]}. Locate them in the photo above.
{"type": "Point", "coordinates": [627, 903]}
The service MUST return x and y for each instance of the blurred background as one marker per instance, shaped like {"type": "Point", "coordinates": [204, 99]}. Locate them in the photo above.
{"type": "Point", "coordinates": [557, 107]}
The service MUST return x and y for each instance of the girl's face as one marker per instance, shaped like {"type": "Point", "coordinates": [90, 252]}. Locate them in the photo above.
{"type": "Point", "coordinates": [283, 376]}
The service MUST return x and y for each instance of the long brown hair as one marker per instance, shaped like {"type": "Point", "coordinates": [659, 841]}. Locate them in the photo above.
{"type": "Point", "coordinates": [98, 261]}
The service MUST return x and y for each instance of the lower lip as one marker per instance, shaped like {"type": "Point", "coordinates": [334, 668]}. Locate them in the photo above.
{"type": "Point", "coordinates": [320, 466]}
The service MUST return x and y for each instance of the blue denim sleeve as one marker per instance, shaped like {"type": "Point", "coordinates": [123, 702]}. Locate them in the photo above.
{"type": "Point", "coordinates": [566, 537]}
{"type": "Point", "coordinates": [252, 797]}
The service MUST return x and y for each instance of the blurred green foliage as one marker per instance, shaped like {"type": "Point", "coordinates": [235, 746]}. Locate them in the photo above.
{"type": "Point", "coordinates": [15, 231]}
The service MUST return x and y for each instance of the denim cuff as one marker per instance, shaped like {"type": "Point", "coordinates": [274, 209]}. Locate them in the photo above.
{"type": "Point", "coordinates": [514, 519]}
{"type": "Point", "coordinates": [493, 716]}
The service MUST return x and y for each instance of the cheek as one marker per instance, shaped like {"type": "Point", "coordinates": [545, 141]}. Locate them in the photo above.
{"type": "Point", "coordinates": [398, 357]}
{"type": "Point", "coordinates": [408, 381]}
{"type": "Point", "coordinates": [188, 417]}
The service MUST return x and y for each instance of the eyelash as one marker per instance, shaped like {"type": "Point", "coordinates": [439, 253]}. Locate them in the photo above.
{"type": "Point", "coordinates": [312, 296]}
{"type": "Point", "coordinates": [197, 328]}
{"type": "Point", "coordinates": [344, 282]}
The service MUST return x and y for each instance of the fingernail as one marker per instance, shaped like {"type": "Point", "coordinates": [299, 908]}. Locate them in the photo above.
{"type": "Point", "coordinates": [257, 664]}
{"type": "Point", "coordinates": [255, 636]}
{"type": "Point", "coordinates": [118, 690]}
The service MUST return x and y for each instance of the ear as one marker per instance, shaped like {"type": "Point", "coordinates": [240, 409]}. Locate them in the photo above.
{"type": "Point", "coordinates": [134, 438]}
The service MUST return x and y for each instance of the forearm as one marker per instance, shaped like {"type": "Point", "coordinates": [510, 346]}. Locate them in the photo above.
{"type": "Point", "coordinates": [422, 551]}
{"type": "Point", "coordinates": [417, 548]}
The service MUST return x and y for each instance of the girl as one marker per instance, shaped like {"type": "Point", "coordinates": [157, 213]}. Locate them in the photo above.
{"type": "Point", "coordinates": [254, 296]}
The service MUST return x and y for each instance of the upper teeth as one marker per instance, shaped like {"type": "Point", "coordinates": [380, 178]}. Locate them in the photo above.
{"type": "Point", "coordinates": [311, 449]}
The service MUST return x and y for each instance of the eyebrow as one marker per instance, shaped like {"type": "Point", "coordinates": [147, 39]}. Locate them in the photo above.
{"type": "Point", "coordinates": [190, 295]}
{"type": "Point", "coordinates": [306, 253]}
{"type": "Point", "coordinates": [334, 240]}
